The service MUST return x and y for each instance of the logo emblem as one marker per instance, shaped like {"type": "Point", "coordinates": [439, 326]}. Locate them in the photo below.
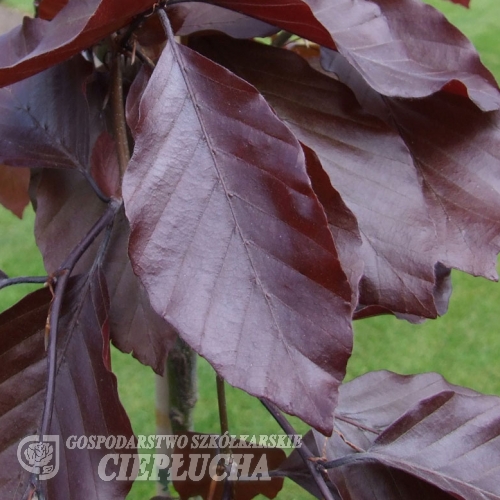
{"type": "Point", "coordinates": [39, 457]}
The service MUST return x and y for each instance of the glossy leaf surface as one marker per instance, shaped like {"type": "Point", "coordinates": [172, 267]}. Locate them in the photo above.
{"type": "Point", "coordinates": [402, 49]}
{"type": "Point", "coordinates": [366, 161]}
{"type": "Point", "coordinates": [229, 239]}
{"type": "Point", "coordinates": [456, 152]}
{"type": "Point", "coordinates": [407, 49]}
{"type": "Point", "coordinates": [295, 16]}
{"type": "Point", "coordinates": [39, 44]}
{"type": "Point", "coordinates": [196, 17]}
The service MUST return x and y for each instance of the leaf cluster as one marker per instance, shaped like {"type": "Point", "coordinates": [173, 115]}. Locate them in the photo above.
{"type": "Point", "coordinates": [249, 177]}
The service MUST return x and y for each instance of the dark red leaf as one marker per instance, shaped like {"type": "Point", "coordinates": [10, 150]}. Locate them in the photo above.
{"type": "Point", "coordinates": [135, 327]}
{"type": "Point", "coordinates": [21, 403]}
{"type": "Point", "coordinates": [67, 209]}
{"type": "Point", "coordinates": [443, 434]}
{"type": "Point", "coordinates": [39, 44]}
{"type": "Point", "coordinates": [150, 33]}
{"type": "Point", "coordinates": [82, 406]}
{"type": "Point", "coordinates": [371, 481]}
{"type": "Point", "coordinates": [402, 49]}
{"type": "Point", "coordinates": [134, 96]}
{"type": "Point", "coordinates": [341, 220]}
{"type": "Point", "coordinates": [456, 151]}
{"type": "Point", "coordinates": [38, 117]}
{"type": "Point", "coordinates": [229, 239]}
{"type": "Point", "coordinates": [366, 161]}
{"type": "Point", "coordinates": [195, 17]}
{"type": "Point", "coordinates": [407, 49]}
{"type": "Point", "coordinates": [295, 16]}
{"type": "Point", "coordinates": [242, 490]}
{"type": "Point", "coordinates": [419, 434]}
{"type": "Point", "coordinates": [104, 166]}
{"type": "Point", "coordinates": [48, 9]}
{"type": "Point", "coordinates": [14, 184]}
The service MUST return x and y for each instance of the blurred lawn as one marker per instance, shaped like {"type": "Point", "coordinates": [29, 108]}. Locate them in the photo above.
{"type": "Point", "coordinates": [464, 345]}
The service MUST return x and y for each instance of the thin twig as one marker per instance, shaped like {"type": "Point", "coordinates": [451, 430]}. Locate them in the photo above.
{"type": "Point", "coordinates": [141, 56]}
{"type": "Point", "coordinates": [347, 442]}
{"type": "Point", "coordinates": [118, 112]}
{"type": "Point", "coordinates": [221, 400]}
{"type": "Point", "coordinates": [63, 275]}
{"type": "Point", "coordinates": [228, 490]}
{"type": "Point", "coordinates": [22, 280]}
{"type": "Point", "coordinates": [303, 451]}
{"type": "Point", "coordinates": [95, 187]}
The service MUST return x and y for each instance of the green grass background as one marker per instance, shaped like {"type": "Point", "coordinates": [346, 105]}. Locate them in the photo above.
{"type": "Point", "coordinates": [464, 345]}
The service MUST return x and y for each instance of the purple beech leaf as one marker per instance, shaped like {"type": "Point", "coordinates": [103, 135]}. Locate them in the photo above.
{"type": "Point", "coordinates": [195, 17]}
{"type": "Point", "coordinates": [39, 44]}
{"type": "Point", "coordinates": [14, 184]}
{"type": "Point", "coordinates": [135, 327]}
{"type": "Point", "coordinates": [407, 49]}
{"type": "Point", "coordinates": [387, 414]}
{"type": "Point", "coordinates": [47, 9]}
{"type": "Point", "coordinates": [342, 222]}
{"type": "Point", "coordinates": [402, 49]}
{"type": "Point", "coordinates": [104, 165]}
{"type": "Point", "coordinates": [295, 16]}
{"type": "Point", "coordinates": [38, 116]}
{"type": "Point", "coordinates": [229, 239]}
{"type": "Point", "coordinates": [456, 152]}
{"type": "Point", "coordinates": [132, 108]}
{"type": "Point", "coordinates": [372, 481]}
{"type": "Point", "coordinates": [86, 398]}
{"type": "Point", "coordinates": [66, 209]}
{"type": "Point", "coordinates": [22, 383]}
{"type": "Point", "coordinates": [366, 161]}
{"type": "Point", "coordinates": [61, 223]}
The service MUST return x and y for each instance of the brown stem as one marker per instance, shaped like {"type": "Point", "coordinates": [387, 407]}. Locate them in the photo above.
{"type": "Point", "coordinates": [221, 399]}
{"type": "Point", "coordinates": [118, 111]}
{"type": "Point", "coordinates": [181, 374]}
